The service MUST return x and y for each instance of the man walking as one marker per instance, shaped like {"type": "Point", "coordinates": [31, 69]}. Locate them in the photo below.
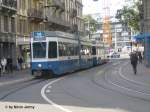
{"type": "Point", "coordinates": [134, 61]}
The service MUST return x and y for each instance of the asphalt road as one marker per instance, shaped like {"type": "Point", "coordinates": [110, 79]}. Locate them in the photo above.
{"type": "Point", "coordinates": [99, 89]}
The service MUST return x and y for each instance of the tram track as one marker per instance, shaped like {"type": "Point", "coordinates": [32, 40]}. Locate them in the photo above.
{"type": "Point", "coordinates": [126, 87]}
{"type": "Point", "coordinates": [18, 87]}
{"type": "Point", "coordinates": [113, 82]}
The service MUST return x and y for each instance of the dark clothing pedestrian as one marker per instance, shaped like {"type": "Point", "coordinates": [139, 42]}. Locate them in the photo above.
{"type": "Point", "coordinates": [20, 61]}
{"type": "Point", "coordinates": [9, 65]}
{"type": "Point", "coordinates": [143, 55]}
{"type": "Point", "coordinates": [134, 61]}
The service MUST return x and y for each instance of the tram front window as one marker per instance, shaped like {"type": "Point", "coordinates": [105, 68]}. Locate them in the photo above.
{"type": "Point", "coordinates": [39, 50]}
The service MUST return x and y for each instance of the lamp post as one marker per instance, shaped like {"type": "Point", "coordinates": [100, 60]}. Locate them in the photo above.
{"type": "Point", "coordinates": [130, 35]}
{"type": "Point", "coordinates": [115, 37]}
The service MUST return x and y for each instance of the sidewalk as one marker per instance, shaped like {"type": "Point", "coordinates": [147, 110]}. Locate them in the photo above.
{"type": "Point", "coordinates": [142, 76]}
{"type": "Point", "coordinates": [16, 76]}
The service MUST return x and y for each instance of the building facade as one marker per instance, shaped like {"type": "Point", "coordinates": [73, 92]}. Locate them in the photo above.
{"type": "Point", "coordinates": [29, 18]}
{"type": "Point", "coordinates": [64, 15]}
{"type": "Point", "coordinates": [121, 36]}
{"type": "Point", "coordinates": [8, 10]}
{"type": "Point", "coordinates": [145, 28]}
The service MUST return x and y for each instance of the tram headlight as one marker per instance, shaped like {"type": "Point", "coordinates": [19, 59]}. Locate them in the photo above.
{"type": "Point", "coordinates": [39, 65]}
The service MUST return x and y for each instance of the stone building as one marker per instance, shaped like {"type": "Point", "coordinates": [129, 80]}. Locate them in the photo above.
{"type": "Point", "coordinates": [8, 10]}
{"type": "Point", "coordinates": [64, 15]}
{"type": "Point", "coordinates": [29, 18]}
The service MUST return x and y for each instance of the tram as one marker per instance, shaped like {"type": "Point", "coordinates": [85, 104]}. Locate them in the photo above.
{"type": "Point", "coordinates": [55, 53]}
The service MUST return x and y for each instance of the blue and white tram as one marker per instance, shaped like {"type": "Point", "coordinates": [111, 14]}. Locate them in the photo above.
{"type": "Point", "coordinates": [54, 52]}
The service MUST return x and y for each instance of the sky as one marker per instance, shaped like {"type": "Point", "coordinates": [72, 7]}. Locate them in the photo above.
{"type": "Point", "coordinates": [91, 7]}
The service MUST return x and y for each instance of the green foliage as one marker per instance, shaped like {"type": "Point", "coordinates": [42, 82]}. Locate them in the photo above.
{"type": "Point", "coordinates": [130, 15]}
{"type": "Point", "coordinates": [91, 23]}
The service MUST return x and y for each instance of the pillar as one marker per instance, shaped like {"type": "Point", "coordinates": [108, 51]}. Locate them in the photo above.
{"type": "Point", "coordinates": [147, 51]}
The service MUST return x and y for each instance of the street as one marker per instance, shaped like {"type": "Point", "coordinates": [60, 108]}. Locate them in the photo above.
{"type": "Point", "coordinates": [104, 88]}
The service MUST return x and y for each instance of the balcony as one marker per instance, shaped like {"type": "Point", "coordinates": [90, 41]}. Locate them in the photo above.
{"type": "Point", "coordinates": [74, 28]}
{"type": "Point", "coordinates": [73, 13]}
{"type": "Point", "coordinates": [58, 20]}
{"type": "Point", "coordinates": [58, 23]}
{"type": "Point", "coordinates": [35, 15]}
{"type": "Point", "coordinates": [8, 6]}
{"type": "Point", "coordinates": [57, 4]}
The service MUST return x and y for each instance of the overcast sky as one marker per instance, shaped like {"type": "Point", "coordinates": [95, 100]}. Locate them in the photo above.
{"type": "Point", "coordinates": [91, 7]}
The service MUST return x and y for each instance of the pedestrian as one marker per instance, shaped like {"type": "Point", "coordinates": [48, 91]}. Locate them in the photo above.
{"type": "Point", "coordinates": [3, 64]}
{"type": "Point", "coordinates": [9, 65]}
{"type": "Point", "coordinates": [143, 55]}
{"type": "Point", "coordinates": [140, 58]}
{"type": "Point", "coordinates": [134, 61]}
{"type": "Point", "coordinates": [20, 61]}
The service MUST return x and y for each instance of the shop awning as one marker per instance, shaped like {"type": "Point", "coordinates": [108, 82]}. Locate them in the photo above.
{"type": "Point", "coordinates": [140, 37]}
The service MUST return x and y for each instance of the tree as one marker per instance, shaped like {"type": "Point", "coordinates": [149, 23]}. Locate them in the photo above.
{"type": "Point", "coordinates": [131, 15]}
{"type": "Point", "coordinates": [90, 23]}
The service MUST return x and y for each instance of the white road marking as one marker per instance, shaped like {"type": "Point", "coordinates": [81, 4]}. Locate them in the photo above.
{"type": "Point", "coordinates": [123, 76]}
{"type": "Point", "coordinates": [49, 100]}
{"type": "Point", "coordinates": [49, 87]}
{"type": "Point", "coordinates": [48, 91]}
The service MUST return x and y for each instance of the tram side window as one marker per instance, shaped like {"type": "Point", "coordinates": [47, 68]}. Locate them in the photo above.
{"type": "Point", "coordinates": [93, 50]}
{"type": "Point", "coordinates": [71, 50]}
{"type": "Point", "coordinates": [61, 49]}
{"type": "Point", "coordinates": [85, 50]}
{"type": "Point", "coordinates": [67, 49]}
{"type": "Point", "coordinates": [76, 49]}
{"type": "Point", "coordinates": [52, 50]}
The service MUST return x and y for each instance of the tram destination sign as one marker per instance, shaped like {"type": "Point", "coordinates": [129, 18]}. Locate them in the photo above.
{"type": "Point", "coordinates": [38, 35]}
